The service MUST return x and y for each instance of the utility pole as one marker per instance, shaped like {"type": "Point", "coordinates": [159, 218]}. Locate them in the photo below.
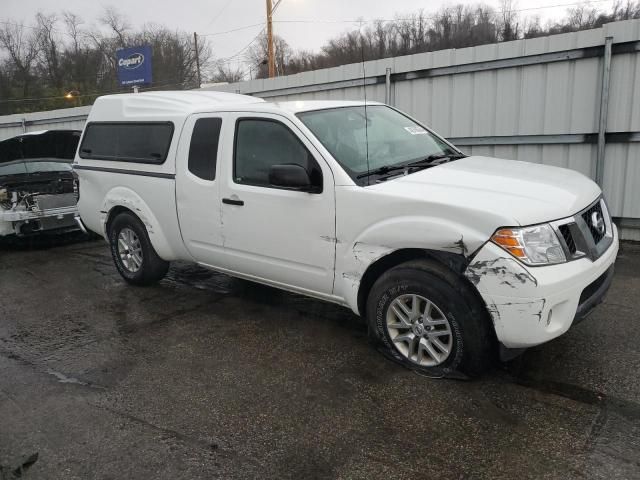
{"type": "Point", "coordinates": [195, 43]}
{"type": "Point", "coordinates": [270, 55]}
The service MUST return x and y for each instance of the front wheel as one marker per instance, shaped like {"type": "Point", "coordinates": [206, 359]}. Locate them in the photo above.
{"type": "Point", "coordinates": [132, 252]}
{"type": "Point", "coordinates": [422, 315]}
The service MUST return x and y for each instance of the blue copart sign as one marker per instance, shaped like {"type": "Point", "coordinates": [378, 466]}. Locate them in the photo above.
{"type": "Point", "coordinates": [134, 65]}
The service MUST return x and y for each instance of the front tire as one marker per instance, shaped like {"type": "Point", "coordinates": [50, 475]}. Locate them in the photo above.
{"type": "Point", "coordinates": [132, 252]}
{"type": "Point", "coordinates": [425, 317]}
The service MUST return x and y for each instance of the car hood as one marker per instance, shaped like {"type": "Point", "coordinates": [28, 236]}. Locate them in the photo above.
{"type": "Point", "coordinates": [520, 193]}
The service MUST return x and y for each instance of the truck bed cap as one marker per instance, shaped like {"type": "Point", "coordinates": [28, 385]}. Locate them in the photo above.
{"type": "Point", "coordinates": [170, 102]}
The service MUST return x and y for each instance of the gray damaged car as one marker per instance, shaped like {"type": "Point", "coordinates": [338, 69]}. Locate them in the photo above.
{"type": "Point", "coordinates": [38, 188]}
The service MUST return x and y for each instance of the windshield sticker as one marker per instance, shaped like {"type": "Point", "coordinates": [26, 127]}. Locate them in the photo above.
{"type": "Point", "coordinates": [415, 130]}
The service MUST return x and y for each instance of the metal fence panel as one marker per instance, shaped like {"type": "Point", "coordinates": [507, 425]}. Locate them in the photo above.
{"type": "Point", "coordinates": [68, 118]}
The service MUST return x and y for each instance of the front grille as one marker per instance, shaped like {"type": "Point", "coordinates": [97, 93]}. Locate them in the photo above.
{"type": "Point", "coordinates": [568, 238]}
{"type": "Point", "coordinates": [586, 234]}
{"type": "Point", "coordinates": [46, 202]}
{"type": "Point", "coordinates": [597, 231]}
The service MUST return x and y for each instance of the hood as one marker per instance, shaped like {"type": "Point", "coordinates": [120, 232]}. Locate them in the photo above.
{"type": "Point", "coordinates": [521, 193]}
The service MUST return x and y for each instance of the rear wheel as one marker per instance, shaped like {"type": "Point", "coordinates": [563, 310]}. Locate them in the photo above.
{"type": "Point", "coordinates": [132, 252]}
{"type": "Point", "coordinates": [426, 317]}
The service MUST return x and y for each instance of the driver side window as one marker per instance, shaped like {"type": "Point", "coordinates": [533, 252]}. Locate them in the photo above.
{"type": "Point", "coordinates": [262, 143]}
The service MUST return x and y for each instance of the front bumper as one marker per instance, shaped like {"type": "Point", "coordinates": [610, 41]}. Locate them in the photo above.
{"type": "Point", "coordinates": [532, 305]}
{"type": "Point", "coordinates": [22, 222]}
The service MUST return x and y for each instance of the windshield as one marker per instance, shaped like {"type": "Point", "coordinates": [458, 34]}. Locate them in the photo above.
{"type": "Point", "coordinates": [393, 139]}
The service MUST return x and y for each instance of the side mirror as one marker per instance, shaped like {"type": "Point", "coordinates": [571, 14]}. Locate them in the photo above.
{"type": "Point", "coordinates": [291, 177]}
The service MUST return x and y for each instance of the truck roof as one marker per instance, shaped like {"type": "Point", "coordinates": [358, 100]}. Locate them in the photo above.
{"type": "Point", "coordinates": [181, 103]}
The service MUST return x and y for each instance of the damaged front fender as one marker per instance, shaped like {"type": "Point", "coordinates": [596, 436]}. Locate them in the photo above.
{"type": "Point", "coordinates": [384, 238]}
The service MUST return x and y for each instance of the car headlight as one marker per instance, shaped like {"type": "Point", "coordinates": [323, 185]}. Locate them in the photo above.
{"type": "Point", "coordinates": [537, 245]}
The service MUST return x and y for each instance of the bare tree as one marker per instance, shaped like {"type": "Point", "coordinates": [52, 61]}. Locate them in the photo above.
{"type": "Point", "coordinates": [174, 56]}
{"type": "Point", "coordinates": [257, 53]}
{"type": "Point", "coordinates": [509, 21]}
{"type": "Point", "coordinates": [113, 19]}
{"type": "Point", "coordinates": [50, 49]}
{"type": "Point", "coordinates": [21, 45]}
{"type": "Point", "coordinates": [582, 17]}
{"type": "Point", "coordinates": [626, 11]}
{"type": "Point", "coordinates": [73, 24]}
{"type": "Point", "coordinates": [532, 27]}
{"type": "Point", "coordinates": [227, 74]}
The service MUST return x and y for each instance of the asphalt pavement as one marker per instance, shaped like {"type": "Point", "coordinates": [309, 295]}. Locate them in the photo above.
{"type": "Point", "coordinates": [204, 376]}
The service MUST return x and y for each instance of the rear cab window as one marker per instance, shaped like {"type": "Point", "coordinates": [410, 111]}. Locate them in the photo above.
{"type": "Point", "coordinates": [203, 150]}
{"type": "Point", "coordinates": [136, 142]}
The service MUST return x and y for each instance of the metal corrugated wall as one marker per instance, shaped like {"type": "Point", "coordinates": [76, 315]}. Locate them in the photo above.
{"type": "Point", "coordinates": [64, 119]}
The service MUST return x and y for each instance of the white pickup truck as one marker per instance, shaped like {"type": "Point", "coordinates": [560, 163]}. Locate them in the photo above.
{"type": "Point", "coordinates": [450, 258]}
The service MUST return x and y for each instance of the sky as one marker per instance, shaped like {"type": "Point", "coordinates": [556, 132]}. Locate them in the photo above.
{"type": "Point", "coordinates": [316, 21]}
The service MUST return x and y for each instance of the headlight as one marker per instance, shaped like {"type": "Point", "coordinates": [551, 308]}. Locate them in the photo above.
{"type": "Point", "coordinates": [4, 195]}
{"type": "Point", "coordinates": [537, 245]}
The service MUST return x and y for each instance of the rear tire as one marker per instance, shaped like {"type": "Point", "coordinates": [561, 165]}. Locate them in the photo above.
{"type": "Point", "coordinates": [425, 317]}
{"type": "Point", "coordinates": [132, 252]}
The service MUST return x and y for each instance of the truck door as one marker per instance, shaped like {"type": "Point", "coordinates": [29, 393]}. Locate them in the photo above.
{"type": "Point", "coordinates": [282, 236]}
{"type": "Point", "coordinates": [197, 186]}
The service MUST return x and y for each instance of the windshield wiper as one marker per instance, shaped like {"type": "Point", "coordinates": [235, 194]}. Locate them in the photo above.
{"type": "Point", "coordinates": [383, 170]}
{"type": "Point", "coordinates": [434, 157]}
{"type": "Point", "coordinates": [423, 162]}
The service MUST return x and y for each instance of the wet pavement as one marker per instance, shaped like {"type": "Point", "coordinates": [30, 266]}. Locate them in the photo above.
{"type": "Point", "coordinates": [203, 376]}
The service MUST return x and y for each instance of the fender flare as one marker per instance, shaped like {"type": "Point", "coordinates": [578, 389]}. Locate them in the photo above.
{"type": "Point", "coordinates": [120, 198]}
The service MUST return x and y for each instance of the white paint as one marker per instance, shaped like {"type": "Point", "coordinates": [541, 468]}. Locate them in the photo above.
{"type": "Point", "coordinates": [322, 244]}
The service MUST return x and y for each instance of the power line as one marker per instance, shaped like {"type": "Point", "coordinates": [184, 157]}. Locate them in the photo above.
{"type": "Point", "coordinates": [230, 31]}
{"type": "Point", "coordinates": [239, 52]}
{"type": "Point", "coordinates": [220, 12]}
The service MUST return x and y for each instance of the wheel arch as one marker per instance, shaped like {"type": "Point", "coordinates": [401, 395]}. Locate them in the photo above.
{"type": "Point", "coordinates": [113, 213]}
{"type": "Point", "coordinates": [454, 262]}
{"type": "Point", "coordinates": [121, 200]}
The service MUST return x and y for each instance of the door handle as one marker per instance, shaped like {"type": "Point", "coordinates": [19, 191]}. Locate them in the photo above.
{"type": "Point", "coordinates": [231, 201]}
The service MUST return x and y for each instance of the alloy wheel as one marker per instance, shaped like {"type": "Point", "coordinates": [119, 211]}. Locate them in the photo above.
{"type": "Point", "coordinates": [130, 250]}
{"type": "Point", "coordinates": [419, 329]}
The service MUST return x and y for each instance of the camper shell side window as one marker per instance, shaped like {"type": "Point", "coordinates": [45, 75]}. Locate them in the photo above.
{"type": "Point", "coordinates": [136, 142]}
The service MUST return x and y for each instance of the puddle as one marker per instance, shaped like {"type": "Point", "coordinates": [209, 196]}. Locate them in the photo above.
{"type": "Point", "coordinates": [201, 278]}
